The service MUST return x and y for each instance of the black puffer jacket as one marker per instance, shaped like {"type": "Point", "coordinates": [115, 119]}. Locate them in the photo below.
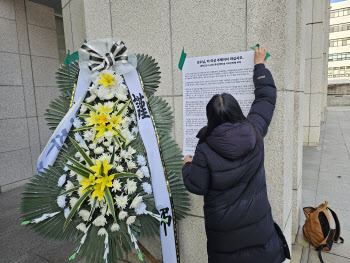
{"type": "Point", "coordinates": [228, 169]}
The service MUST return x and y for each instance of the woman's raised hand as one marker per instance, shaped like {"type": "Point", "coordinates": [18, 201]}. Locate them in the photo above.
{"type": "Point", "coordinates": [259, 55]}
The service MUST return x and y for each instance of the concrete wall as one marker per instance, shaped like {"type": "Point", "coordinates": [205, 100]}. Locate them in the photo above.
{"type": "Point", "coordinates": [338, 95]}
{"type": "Point", "coordinates": [316, 22]}
{"type": "Point", "coordinates": [163, 28]}
{"type": "Point", "coordinates": [29, 59]}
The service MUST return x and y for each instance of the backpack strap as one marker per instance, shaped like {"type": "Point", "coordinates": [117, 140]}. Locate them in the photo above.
{"type": "Point", "coordinates": [337, 227]}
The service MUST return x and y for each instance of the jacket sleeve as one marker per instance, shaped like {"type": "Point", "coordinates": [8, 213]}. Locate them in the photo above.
{"type": "Point", "coordinates": [262, 109]}
{"type": "Point", "coordinates": [196, 174]}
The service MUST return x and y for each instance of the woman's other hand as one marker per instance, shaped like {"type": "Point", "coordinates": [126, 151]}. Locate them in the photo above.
{"type": "Point", "coordinates": [259, 55]}
{"type": "Point", "coordinates": [188, 158]}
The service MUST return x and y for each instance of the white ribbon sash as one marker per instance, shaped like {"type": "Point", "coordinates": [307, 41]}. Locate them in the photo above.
{"type": "Point", "coordinates": [56, 141]}
{"type": "Point", "coordinates": [160, 185]}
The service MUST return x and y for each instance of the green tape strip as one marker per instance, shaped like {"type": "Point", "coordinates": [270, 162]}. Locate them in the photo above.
{"type": "Point", "coordinates": [140, 256]}
{"type": "Point", "coordinates": [267, 53]}
{"type": "Point", "coordinates": [182, 58]}
{"type": "Point", "coordinates": [71, 57]}
{"type": "Point", "coordinates": [73, 256]}
{"type": "Point", "coordinates": [25, 223]}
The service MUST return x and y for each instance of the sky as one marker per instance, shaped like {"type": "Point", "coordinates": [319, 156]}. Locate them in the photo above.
{"type": "Point", "coordinates": [335, 1]}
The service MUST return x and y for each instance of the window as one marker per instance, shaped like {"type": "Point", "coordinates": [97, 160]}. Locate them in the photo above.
{"type": "Point", "coordinates": [343, 42]}
{"type": "Point", "coordinates": [332, 14]}
{"type": "Point", "coordinates": [342, 72]}
{"type": "Point", "coordinates": [333, 43]}
{"type": "Point", "coordinates": [347, 71]}
{"type": "Point", "coordinates": [335, 72]}
{"type": "Point", "coordinates": [344, 27]}
{"type": "Point", "coordinates": [329, 72]}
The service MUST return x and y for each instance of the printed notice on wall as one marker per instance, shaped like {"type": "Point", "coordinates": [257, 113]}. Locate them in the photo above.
{"type": "Point", "coordinates": [203, 77]}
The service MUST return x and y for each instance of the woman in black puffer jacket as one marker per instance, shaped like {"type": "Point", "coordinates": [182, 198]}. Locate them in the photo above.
{"type": "Point", "coordinates": [228, 169]}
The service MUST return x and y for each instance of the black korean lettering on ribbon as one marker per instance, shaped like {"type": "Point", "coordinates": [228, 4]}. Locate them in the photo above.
{"type": "Point", "coordinates": [140, 106]}
{"type": "Point", "coordinates": [164, 215]}
{"type": "Point", "coordinates": [61, 138]}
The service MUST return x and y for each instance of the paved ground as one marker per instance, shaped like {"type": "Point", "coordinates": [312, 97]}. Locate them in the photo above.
{"type": "Point", "coordinates": [326, 177]}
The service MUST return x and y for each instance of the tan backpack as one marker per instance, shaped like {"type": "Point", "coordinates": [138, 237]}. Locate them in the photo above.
{"type": "Point", "coordinates": [317, 228]}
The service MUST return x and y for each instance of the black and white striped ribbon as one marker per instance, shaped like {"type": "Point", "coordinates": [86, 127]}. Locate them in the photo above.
{"type": "Point", "coordinates": [117, 53]}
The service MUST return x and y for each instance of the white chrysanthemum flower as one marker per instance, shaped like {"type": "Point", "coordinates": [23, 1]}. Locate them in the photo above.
{"type": "Point", "coordinates": [136, 202]}
{"type": "Point", "coordinates": [122, 215]}
{"type": "Point", "coordinates": [91, 202]}
{"type": "Point", "coordinates": [78, 155]}
{"type": "Point", "coordinates": [109, 104]}
{"type": "Point", "coordinates": [98, 150]}
{"type": "Point", "coordinates": [79, 178]}
{"type": "Point", "coordinates": [89, 135]}
{"type": "Point", "coordinates": [83, 109]}
{"type": "Point", "coordinates": [62, 180]}
{"type": "Point", "coordinates": [65, 168]}
{"type": "Point", "coordinates": [127, 119]}
{"type": "Point", "coordinates": [147, 188]}
{"type": "Point", "coordinates": [104, 208]}
{"type": "Point", "coordinates": [121, 94]}
{"type": "Point", "coordinates": [81, 227]}
{"type": "Point", "coordinates": [109, 136]}
{"type": "Point", "coordinates": [100, 140]}
{"type": "Point", "coordinates": [121, 201]}
{"type": "Point", "coordinates": [131, 150]}
{"type": "Point", "coordinates": [134, 131]}
{"type": "Point", "coordinates": [131, 165]}
{"type": "Point", "coordinates": [130, 220]}
{"type": "Point", "coordinates": [84, 214]}
{"type": "Point", "coordinates": [139, 174]}
{"type": "Point", "coordinates": [66, 211]}
{"type": "Point", "coordinates": [104, 156]}
{"type": "Point", "coordinates": [69, 185]}
{"type": "Point", "coordinates": [118, 79]}
{"type": "Point", "coordinates": [102, 232]}
{"type": "Point", "coordinates": [90, 99]}
{"type": "Point", "coordinates": [124, 154]}
{"type": "Point", "coordinates": [92, 146]}
{"type": "Point", "coordinates": [125, 126]}
{"type": "Point", "coordinates": [73, 201]}
{"type": "Point", "coordinates": [72, 173]}
{"type": "Point", "coordinates": [120, 105]}
{"type": "Point", "coordinates": [141, 209]}
{"type": "Point", "coordinates": [80, 191]}
{"type": "Point", "coordinates": [110, 149]}
{"type": "Point", "coordinates": [100, 221]}
{"type": "Point", "coordinates": [102, 93]}
{"type": "Point", "coordinates": [115, 227]}
{"type": "Point", "coordinates": [119, 168]}
{"type": "Point", "coordinates": [145, 171]}
{"type": "Point", "coordinates": [109, 96]}
{"type": "Point", "coordinates": [130, 186]}
{"type": "Point", "coordinates": [141, 160]}
{"type": "Point", "coordinates": [77, 123]}
{"type": "Point", "coordinates": [116, 186]}
{"type": "Point", "coordinates": [61, 201]}
{"type": "Point", "coordinates": [128, 137]}
{"type": "Point", "coordinates": [117, 158]}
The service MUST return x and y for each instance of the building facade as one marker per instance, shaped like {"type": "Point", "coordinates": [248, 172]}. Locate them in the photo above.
{"type": "Point", "coordinates": [296, 35]}
{"type": "Point", "coordinates": [339, 55]}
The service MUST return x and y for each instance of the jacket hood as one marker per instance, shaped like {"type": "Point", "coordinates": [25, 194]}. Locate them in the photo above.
{"type": "Point", "coordinates": [232, 140]}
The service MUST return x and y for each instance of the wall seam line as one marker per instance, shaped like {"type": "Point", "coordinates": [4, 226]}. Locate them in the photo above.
{"type": "Point", "coordinates": [172, 65]}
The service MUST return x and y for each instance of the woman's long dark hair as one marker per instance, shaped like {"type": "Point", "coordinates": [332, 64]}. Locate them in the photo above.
{"type": "Point", "coordinates": [220, 109]}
